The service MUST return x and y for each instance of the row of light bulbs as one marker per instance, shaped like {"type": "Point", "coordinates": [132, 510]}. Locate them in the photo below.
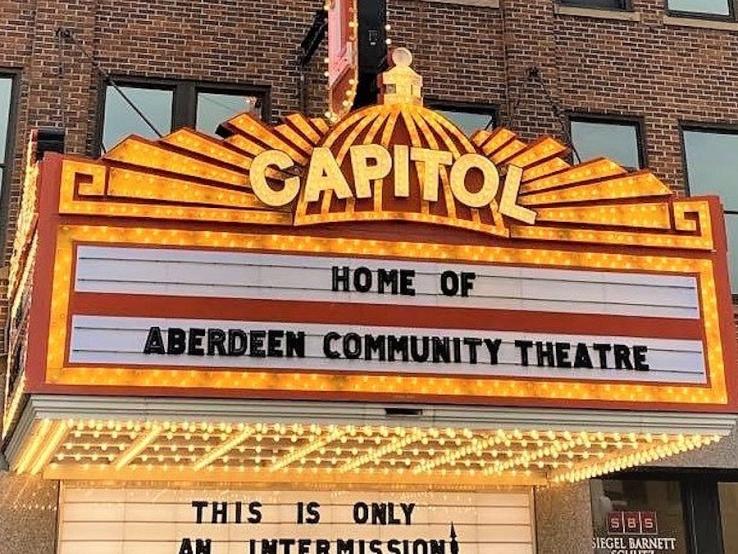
{"type": "Point", "coordinates": [551, 450]}
{"type": "Point", "coordinates": [656, 452]}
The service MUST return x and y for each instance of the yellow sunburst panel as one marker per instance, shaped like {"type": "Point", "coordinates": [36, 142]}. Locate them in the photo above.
{"type": "Point", "coordinates": [543, 169]}
{"type": "Point", "coordinates": [497, 139]}
{"type": "Point", "coordinates": [216, 150]}
{"type": "Point", "coordinates": [635, 185]}
{"type": "Point", "coordinates": [599, 168]}
{"type": "Point", "coordinates": [312, 132]}
{"type": "Point", "coordinates": [321, 124]}
{"type": "Point", "coordinates": [254, 130]}
{"type": "Point", "coordinates": [159, 157]}
{"type": "Point", "coordinates": [643, 216]}
{"type": "Point", "coordinates": [292, 136]}
{"type": "Point", "coordinates": [127, 183]}
{"type": "Point", "coordinates": [548, 180]}
{"type": "Point", "coordinates": [197, 143]}
{"type": "Point", "coordinates": [350, 139]}
{"type": "Point", "coordinates": [538, 151]}
{"type": "Point", "coordinates": [480, 136]}
{"type": "Point", "coordinates": [513, 148]}
{"type": "Point", "coordinates": [246, 145]}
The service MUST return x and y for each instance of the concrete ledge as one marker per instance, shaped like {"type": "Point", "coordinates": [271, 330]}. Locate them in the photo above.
{"type": "Point", "coordinates": [698, 23]}
{"type": "Point", "coordinates": [618, 15]}
{"type": "Point", "coordinates": [479, 3]}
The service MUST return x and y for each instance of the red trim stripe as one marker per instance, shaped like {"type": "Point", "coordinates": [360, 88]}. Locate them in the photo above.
{"type": "Point", "coordinates": [130, 305]}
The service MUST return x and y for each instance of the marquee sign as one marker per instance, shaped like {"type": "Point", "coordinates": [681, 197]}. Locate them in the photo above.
{"type": "Point", "coordinates": [189, 521]}
{"type": "Point", "coordinates": [388, 256]}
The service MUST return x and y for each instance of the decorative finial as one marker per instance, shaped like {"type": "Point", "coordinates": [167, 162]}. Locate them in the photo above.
{"type": "Point", "coordinates": [400, 84]}
{"type": "Point", "coordinates": [454, 542]}
{"type": "Point", "coordinates": [402, 57]}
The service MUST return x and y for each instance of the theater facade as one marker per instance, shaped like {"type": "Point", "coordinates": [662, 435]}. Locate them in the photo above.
{"type": "Point", "coordinates": [371, 336]}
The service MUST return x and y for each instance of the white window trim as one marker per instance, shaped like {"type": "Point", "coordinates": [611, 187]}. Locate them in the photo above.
{"type": "Point", "coordinates": [597, 13]}
{"type": "Point", "coordinates": [479, 3]}
{"type": "Point", "coordinates": [699, 23]}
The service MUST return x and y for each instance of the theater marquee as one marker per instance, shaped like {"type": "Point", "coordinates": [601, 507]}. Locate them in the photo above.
{"type": "Point", "coordinates": [448, 305]}
{"type": "Point", "coordinates": [386, 257]}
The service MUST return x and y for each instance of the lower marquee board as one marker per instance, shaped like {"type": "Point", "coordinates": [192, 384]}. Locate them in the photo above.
{"type": "Point", "coordinates": [133, 520]}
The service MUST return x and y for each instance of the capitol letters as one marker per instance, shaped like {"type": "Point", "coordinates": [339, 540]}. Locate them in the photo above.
{"type": "Point", "coordinates": [371, 162]}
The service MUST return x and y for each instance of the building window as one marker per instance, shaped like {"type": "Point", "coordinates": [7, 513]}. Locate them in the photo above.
{"type": "Point", "coordinates": [711, 160]}
{"type": "Point", "coordinates": [608, 4]}
{"type": "Point", "coordinates": [617, 140]}
{"type": "Point", "coordinates": [634, 515]}
{"type": "Point", "coordinates": [121, 120]}
{"type": "Point", "coordinates": [171, 105]}
{"type": "Point", "coordinates": [213, 108]}
{"type": "Point", "coordinates": [467, 117]}
{"type": "Point", "coordinates": [728, 495]}
{"type": "Point", "coordinates": [708, 8]}
{"type": "Point", "coordinates": [6, 126]}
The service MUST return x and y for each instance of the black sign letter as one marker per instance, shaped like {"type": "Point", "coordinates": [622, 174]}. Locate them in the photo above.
{"type": "Point", "coordinates": [154, 342]}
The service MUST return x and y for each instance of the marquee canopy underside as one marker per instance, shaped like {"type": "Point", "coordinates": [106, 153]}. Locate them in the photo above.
{"type": "Point", "coordinates": [314, 443]}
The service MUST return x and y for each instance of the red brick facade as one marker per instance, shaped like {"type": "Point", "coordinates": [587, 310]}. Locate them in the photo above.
{"type": "Point", "coordinates": [636, 66]}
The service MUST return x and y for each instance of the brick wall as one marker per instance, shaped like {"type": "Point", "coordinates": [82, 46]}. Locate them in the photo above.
{"type": "Point", "coordinates": [17, 19]}
{"type": "Point", "coordinates": [241, 42]}
{"type": "Point", "coordinates": [647, 69]}
{"type": "Point", "coordinates": [661, 73]}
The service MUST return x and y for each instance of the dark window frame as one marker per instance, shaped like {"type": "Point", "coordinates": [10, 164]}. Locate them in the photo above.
{"type": "Point", "coordinates": [702, 127]}
{"type": "Point", "coordinates": [184, 99]}
{"type": "Point", "coordinates": [480, 108]}
{"type": "Point", "coordinates": [625, 5]}
{"type": "Point", "coordinates": [136, 82]}
{"type": "Point", "coordinates": [639, 122]}
{"type": "Point", "coordinates": [9, 155]}
{"type": "Point", "coordinates": [262, 92]}
{"type": "Point", "coordinates": [732, 8]}
{"type": "Point", "coordinates": [722, 476]}
{"type": "Point", "coordinates": [700, 501]}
